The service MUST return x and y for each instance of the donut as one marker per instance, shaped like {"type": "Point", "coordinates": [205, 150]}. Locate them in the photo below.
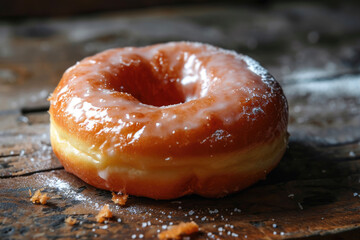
{"type": "Point", "coordinates": [168, 120]}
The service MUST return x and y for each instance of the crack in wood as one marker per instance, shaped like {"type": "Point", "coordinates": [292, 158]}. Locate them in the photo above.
{"type": "Point", "coordinates": [10, 155]}
{"type": "Point", "coordinates": [27, 110]}
{"type": "Point", "coordinates": [32, 173]}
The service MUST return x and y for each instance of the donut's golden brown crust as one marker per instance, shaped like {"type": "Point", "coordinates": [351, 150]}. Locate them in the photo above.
{"type": "Point", "coordinates": [169, 120]}
{"type": "Point", "coordinates": [177, 231]}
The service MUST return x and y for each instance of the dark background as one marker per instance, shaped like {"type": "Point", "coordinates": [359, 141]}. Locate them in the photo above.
{"type": "Point", "coordinates": [46, 8]}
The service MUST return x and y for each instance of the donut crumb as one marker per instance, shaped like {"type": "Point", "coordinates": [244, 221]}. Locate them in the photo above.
{"type": "Point", "coordinates": [104, 214]}
{"type": "Point", "coordinates": [38, 197]}
{"type": "Point", "coordinates": [176, 231]}
{"type": "Point", "coordinates": [119, 199]}
{"type": "Point", "coordinates": [71, 221]}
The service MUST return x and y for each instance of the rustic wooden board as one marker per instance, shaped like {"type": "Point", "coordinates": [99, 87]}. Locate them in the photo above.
{"type": "Point", "coordinates": [312, 194]}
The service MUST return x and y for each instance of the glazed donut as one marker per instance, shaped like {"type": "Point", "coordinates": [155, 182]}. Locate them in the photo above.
{"type": "Point", "coordinates": [168, 120]}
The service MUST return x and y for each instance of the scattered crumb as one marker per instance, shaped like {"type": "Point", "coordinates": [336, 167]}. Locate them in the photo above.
{"type": "Point", "coordinates": [30, 192]}
{"type": "Point", "coordinates": [71, 221]}
{"type": "Point", "coordinates": [38, 197]}
{"type": "Point", "coordinates": [119, 199]}
{"type": "Point", "coordinates": [176, 231]}
{"type": "Point", "coordinates": [104, 214]}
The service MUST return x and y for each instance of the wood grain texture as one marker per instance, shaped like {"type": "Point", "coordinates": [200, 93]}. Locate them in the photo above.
{"type": "Point", "coordinates": [313, 194]}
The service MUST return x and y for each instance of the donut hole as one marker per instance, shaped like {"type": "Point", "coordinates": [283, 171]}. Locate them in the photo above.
{"type": "Point", "coordinates": [154, 82]}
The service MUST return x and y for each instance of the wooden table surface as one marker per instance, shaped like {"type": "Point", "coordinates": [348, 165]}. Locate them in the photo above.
{"type": "Point", "coordinates": [313, 51]}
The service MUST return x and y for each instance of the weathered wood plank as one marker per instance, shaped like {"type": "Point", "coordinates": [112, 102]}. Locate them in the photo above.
{"type": "Point", "coordinates": [26, 148]}
{"type": "Point", "coordinates": [284, 210]}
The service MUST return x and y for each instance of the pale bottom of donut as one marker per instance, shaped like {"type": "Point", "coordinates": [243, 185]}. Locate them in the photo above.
{"type": "Point", "coordinates": [210, 177]}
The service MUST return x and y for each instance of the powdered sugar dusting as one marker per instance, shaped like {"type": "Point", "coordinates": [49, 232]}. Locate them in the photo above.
{"type": "Point", "coordinates": [63, 187]}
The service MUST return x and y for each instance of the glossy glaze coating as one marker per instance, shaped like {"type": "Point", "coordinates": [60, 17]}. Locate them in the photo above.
{"type": "Point", "coordinates": [169, 120]}
{"type": "Point", "coordinates": [168, 100]}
